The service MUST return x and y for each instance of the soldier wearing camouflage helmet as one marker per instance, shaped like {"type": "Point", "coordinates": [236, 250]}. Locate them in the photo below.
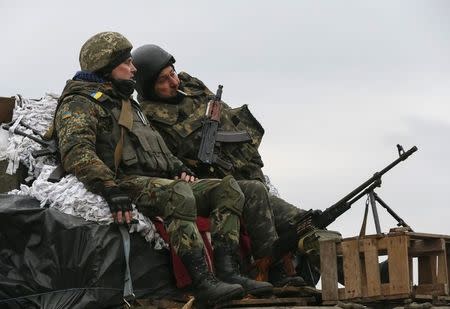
{"type": "Point", "coordinates": [176, 105]}
{"type": "Point", "coordinates": [107, 143]}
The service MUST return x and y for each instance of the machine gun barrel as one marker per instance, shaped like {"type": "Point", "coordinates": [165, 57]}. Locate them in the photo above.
{"type": "Point", "coordinates": [376, 177]}
{"type": "Point", "coordinates": [304, 222]}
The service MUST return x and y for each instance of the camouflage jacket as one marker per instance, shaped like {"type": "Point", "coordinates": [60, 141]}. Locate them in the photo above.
{"type": "Point", "coordinates": [88, 131]}
{"type": "Point", "coordinates": [180, 125]}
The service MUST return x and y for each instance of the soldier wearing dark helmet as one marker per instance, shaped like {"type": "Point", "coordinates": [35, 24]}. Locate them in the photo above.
{"type": "Point", "coordinates": [107, 143]}
{"type": "Point", "coordinates": [176, 105]}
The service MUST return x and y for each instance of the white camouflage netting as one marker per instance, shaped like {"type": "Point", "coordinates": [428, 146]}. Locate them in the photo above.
{"type": "Point", "coordinates": [68, 195]}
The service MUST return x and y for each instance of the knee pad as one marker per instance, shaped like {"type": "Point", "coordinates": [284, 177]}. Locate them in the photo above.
{"type": "Point", "coordinates": [233, 198]}
{"type": "Point", "coordinates": [172, 199]}
{"type": "Point", "coordinates": [182, 201]}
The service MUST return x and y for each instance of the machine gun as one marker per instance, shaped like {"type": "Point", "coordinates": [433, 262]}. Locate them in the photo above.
{"type": "Point", "coordinates": [313, 219]}
{"type": "Point", "coordinates": [211, 133]}
{"type": "Point", "coordinates": [49, 147]}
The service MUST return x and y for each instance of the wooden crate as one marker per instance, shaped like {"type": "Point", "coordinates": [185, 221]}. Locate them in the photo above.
{"type": "Point", "coordinates": [360, 262]}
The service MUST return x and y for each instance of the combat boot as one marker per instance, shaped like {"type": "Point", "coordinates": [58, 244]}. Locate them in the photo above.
{"type": "Point", "coordinates": [282, 273]}
{"type": "Point", "coordinates": [226, 262]}
{"type": "Point", "coordinates": [206, 287]}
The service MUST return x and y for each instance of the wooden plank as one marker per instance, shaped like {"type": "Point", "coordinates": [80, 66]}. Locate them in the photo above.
{"type": "Point", "coordinates": [372, 268]}
{"type": "Point", "coordinates": [264, 302]}
{"type": "Point", "coordinates": [328, 270]}
{"type": "Point", "coordinates": [421, 247]}
{"type": "Point", "coordinates": [430, 289]}
{"type": "Point", "coordinates": [382, 244]}
{"type": "Point", "coordinates": [399, 279]}
{"type": "Point", "coordinates": [442, 274]}
{"type": "Point", "coordinates": [352, 269]}
{"type": "Point", "coordinates": [427, 269]}
{"type": "Point", "coordinates": [426, 235]}
{"type": "Point", "coordinates": [447, 249]}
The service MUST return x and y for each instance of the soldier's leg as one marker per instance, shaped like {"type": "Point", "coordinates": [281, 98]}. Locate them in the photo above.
{"type": "Point", "coordinates": [224, 200]}
{"type": "Point", "coordinates": [258, 217]}
{"type": "Point", "coordinates": [308, 265]}
{"type": "Point", "coordinates": [171, 200]}
{"type": "Point", "coordinates": [174, 201]}
{"type": "Point", "coordinates": [283, 213]}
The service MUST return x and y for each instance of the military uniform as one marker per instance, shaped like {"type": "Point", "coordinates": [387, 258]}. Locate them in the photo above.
{"type": "Point", "coordinates": [88, 129]}
{"type": "Point", "coordinates": [180, 125]}
{"type": "Point", "coordinates": [109, 145]}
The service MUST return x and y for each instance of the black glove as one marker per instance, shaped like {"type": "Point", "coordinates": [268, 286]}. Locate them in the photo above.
{"type": "Point", "coordinates": [117, 199]}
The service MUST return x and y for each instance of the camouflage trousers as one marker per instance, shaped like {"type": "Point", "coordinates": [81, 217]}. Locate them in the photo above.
{"type": "Point", "coordinates": [265, 216]}
{"type": "Point", "coordinates": [179, 203]}
{"type": "Point", "coordinates": [283, 213]}
{"type": "Point", "coordinates": [258, 217]}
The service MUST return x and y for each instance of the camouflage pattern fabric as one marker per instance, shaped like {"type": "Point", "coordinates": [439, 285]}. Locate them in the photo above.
{"type": "Point", "coordinates": [78, 120]}
{"type": "Point", "coordinates": [81, 121]}
{"type": "Point", "coordinates": [101, 49]}
{"type": "Point", "coordinates": [179, 203]}
{"type": "Point", "coordinates": [180, 125]}
{"type": "Point", "coordinates": [258, 218]}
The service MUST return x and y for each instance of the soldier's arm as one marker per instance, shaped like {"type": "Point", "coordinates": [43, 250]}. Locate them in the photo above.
{"type": "Point", "coordinates": [76, 124]}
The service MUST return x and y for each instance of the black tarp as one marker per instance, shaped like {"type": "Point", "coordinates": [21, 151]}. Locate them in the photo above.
{"type": "Point", "coordinates": [53, 260]}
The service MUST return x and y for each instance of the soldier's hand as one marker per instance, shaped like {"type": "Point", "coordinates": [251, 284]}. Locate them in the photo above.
{"type": "Point", "coordinates": [186, 177]}
{"type": "Point", "coordinates": [119, 203]}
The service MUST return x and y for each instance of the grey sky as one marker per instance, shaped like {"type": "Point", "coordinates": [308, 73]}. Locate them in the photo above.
{"type": "Point", "coordinates": [336, 84]}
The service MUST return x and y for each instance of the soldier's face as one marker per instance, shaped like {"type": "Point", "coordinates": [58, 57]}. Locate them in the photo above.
{"type": "Point", "coordinates": [167, 83]}
{"type": "Point", "coordinates": [125, 70]}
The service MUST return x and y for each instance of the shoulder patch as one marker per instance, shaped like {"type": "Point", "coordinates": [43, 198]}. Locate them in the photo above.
{"type": "Point", "coordinates": [96, 95]}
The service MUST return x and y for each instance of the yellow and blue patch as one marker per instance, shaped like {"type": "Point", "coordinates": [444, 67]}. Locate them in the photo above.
{"type": "Point", "coordinates": [96, 95]}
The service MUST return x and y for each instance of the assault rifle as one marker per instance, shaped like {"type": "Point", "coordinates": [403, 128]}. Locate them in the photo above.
{"type": "Point", "coordinates": [311, 219]}
{"type": "Point", "coordinates": [49, 147]}
{"type": "Point", "coordinates": [212, 135]}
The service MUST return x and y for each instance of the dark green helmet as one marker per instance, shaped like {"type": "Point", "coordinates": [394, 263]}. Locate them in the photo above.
{"type": "Point", "coordinates": [149, 60]}
{"type": "Point", "coordinates": [104, 50]}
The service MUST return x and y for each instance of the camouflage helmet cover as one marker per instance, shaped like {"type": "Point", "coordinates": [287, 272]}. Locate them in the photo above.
{"type": "Point", "coordinates": [101, 49]}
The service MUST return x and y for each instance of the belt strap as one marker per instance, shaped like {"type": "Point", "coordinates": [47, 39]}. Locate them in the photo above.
{"type": "Point", "coordinates": [125, 121]}
{"type": "Point", "coordinates": [128, 295]}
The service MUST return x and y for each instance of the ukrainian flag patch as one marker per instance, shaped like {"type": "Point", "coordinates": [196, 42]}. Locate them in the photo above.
{"type": "Point", "coordinates": [96, 95]}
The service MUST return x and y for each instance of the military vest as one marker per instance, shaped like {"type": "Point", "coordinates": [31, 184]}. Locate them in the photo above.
{"type": "Point", "coordinates": [144, 151]}
{"type": "Point", "coordinates": [180, 125]}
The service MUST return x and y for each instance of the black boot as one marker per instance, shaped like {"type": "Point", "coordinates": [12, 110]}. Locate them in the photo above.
{"type": "Point", "coordinates": [226, 262]}
{"type": "Point", "coordinates": [207, 289]}
{"type": "Point", "coordinates": [282, 273]}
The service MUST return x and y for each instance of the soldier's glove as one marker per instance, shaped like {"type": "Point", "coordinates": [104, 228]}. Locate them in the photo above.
{"type": "Point", "coordinates": [117, 200]}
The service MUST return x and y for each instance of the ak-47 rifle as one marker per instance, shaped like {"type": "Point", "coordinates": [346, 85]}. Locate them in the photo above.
{"type": "Point", "coordinates": [211, 133]}
{"type": "Point", "coordinates": [311, 219]}
{"type": "Point", "coordinates": [209, 129]}
{"type": "Point", "coordinates": [49, 147]}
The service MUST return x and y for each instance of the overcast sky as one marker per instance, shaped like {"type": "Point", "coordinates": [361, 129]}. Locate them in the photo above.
{"type": "Point", "coordinates": [336, 84]}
